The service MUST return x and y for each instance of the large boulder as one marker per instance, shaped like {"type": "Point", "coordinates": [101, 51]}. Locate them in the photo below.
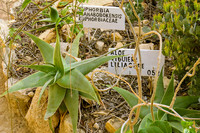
{"type": "Point", "coordinates": [36, 112]}
{"type": "Point", "coordinates": [48, 36]}
{"type": "Point", "coordinates": [66, 125]}
{"type": "Point", "coordinates": [17, 103]}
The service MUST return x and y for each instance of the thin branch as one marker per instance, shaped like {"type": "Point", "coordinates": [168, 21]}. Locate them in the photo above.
{"type": "Point", "coordinates": [193, 69]}
{"type": "Point", "coordinates": [158, 67]}
{"type": "Point", "coordinates": [137, 49]}
{"type": "Point", "coordinates": [156, 105]}
{"type": "Point", "coordinates": [128, 20]}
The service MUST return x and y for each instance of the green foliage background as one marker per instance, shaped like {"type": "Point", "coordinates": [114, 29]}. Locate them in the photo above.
{"type": "Point", "coordinates": [180, 27]}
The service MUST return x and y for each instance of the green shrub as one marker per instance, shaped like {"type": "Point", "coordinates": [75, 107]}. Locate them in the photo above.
{"type": "Point", "coordinates": [139, 9]}
{"type": "Point", "coordinates": [180, 26]}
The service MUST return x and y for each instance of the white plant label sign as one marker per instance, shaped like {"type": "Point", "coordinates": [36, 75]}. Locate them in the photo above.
{"type": "Point", "coordinates": [103, 17]}
{"type": "Point", "coordinates": [125, 65]}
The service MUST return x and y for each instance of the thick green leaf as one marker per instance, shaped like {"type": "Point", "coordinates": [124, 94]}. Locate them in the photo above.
{"type": "Point", "coordinates": [147, 120]}
{"type": "Point", "coordinates": [89, 65]}
{"type": "Point", "coordinates": [196, 115]}
{"type": "Point", "coordinates": [78, 82]}
{"type": "Point", "coordinates": [43, 68]}
{"type": "Point", "coordinates": [159, 89]}
{"type": "Point", "coordinates": [43, 88]}
{"type": "Point", "coordinates": [152, 129]}
{"type": "Point", "coordinates": [55, 98]}
{"type": "Point", "coordinates": [176, 125]}
{"type": "Point", "coordinates": [35, 80]}
{"type": "Point", "coordinates": [167, 98]}
{"type": "Point", "coordinates": [45, 49]}
{"type": "Point", "coordinates": [57, 76]}
{"type": "Point", "coordinates": [75, 48]}
{"type": "Point", "coordinates": [132, 100]}
{"type": "Point", "coordinates": [184, 112]}
{"type": "Point", "coordinates": [44, 20]}
{"type": "Point", "coordinates": [188, 127]}
{"type": "Point", "coordinates": [136, 126]}
{"type": "Point", "coordinates": [75, 45]}
{"type": "Point", "coordinates": [24, 4]}
{"type": "Point", "coordinates": [72, 103]}
{"type": "Point", "coordinates": [85, 95]}
{"type": "Point", "coordinates": [54, 14]}
{"type": "Point", "coordinates": [163, 125]}
{"type": "Point", "coordinates": [49, 26]}
{"type": "Point", "coordinates": [185, 101]}
{"type": "Point", "coordinates": [58, 21]}
{"type": "Point", "coordinates": [57, 55]}
{"type": "Point", "coordinates": [62, 108]}
{"type": "Point", "coordinates": [146, 29]}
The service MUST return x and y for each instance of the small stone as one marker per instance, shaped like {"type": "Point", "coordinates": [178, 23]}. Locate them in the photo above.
{"type": "Point", "coordinates": [117, 36]}
{"type": "Point", "coordinates": [148, 46]}
{"type": "Point", "coordinates": [100, 113]}
{"type": "Point", "coordinates": [167, 81]}
{"type": "Point", "coordinates": [145, 22]}
{"type": "Point", "coordinates": [48, 36]}
{"type": "Point", "coordinates": [114, 124]}
{"type": "Point", "coordinates": [173, 68]}
{"type": "Point", "coordinates": [63, 46]}
{"type": "Point", "coordinates": [100, 131]}
{"type": "Point", "coordinates": [184, 94]}
{"type": "Point", "coordinates": [66, 33]}
{"type": "Point", "coordinates": [136, 29]}
{"type": "Point", "coordinates": [99, 45]}
{"type": "Point", "coordinates": [96, 126]}
{"type": "Point", "coordinates": [80, 131]}
{"type": "Point", "coordinates": [119, 44]}
{"type": "Point", "coordinates": [31, 94]}
{"type": "Point", "coordinates": [144, 5]}
{"type": "Point", "coordinates": [85, 115]}
{"type": "Point", "coordinates": [25, 69]}
{"type": "Point", "coordinates": [28, 58]}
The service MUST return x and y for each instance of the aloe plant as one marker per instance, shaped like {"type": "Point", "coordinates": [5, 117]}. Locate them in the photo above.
{"type": "Point", "coordinates": [66, 81]}
{"type": "Point", "coordinates": [163, 122]}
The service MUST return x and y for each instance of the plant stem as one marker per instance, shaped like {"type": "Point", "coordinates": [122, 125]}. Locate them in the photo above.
{"type": "Point", "coordinates": [158, 67]}
{"type": "Point", "coordinates": [138, 70]}
{"type": "Point", "coordinates": [159, 107]}
{"type": "Point", "coordinates": [128, 20]}
{"type": "Point", "coordinates": [193, 69]}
